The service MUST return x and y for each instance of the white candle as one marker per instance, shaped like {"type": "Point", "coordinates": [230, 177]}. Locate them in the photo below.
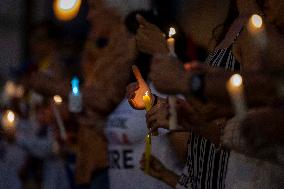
{"type": "Point", "coordinates": [57, 102]}
{"type": "Point", "coordinates": [172, 99]}
{"type": "Point", "coordinates": [171, 41]}
{"type": "Point", "coordinates": [235, 88]}
{"type": "Point", "coordinates": [257, 30]}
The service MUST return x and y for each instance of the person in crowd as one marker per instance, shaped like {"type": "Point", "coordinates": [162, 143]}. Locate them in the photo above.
{"type": "Point", "coordinates": [12, 157]}
{"type": "Point", "coordinates": [126, 131]}
{"type": "Point", "coordinates": [174, 80]}
{"type": "Point", "coordinates": [44, 144]}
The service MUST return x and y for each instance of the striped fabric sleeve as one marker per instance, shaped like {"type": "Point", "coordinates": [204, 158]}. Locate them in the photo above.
{"type": "Point", "coordinates": [205, 167]}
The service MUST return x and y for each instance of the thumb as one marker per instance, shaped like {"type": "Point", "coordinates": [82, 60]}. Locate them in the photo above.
{"type": "Point", "coordinates": [137, 74]}
{"type": "Point", "coordinates": [141, 20]}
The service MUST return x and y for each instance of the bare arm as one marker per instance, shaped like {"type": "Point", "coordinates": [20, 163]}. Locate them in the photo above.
{"type": "Point", "coordinates": [179, 141]}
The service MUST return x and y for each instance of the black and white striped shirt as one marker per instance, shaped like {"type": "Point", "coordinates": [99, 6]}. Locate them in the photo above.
{"type": "Point", "coordinates": [205, 167]}
{"type": "Point", "coordinates": [224, 58]}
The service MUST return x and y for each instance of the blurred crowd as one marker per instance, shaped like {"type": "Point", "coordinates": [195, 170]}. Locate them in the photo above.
{"type": "Point", "coordinates": [73, 116]}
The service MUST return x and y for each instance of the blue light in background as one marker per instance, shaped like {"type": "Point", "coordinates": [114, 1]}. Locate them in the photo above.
{"type": "Point", "coordinates": [75, 86]}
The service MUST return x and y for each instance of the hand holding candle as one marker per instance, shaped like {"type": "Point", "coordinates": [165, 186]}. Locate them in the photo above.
{"type": "Point", "coordinates": [137, 101]}
{"type": "Point", "coordinates": [149, 38]}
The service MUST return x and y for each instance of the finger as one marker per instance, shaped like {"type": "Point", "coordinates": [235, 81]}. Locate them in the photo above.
{"type": "Point", "coordinates": [150, 121]}
{"type": "Point", "coordinates": [137, 74]}
{"type": "Point", "coordinates": [154, 129]}
{"type": "Point", "coordinates": [141, 20]}
{"type": "Point", "coordinates": [142, 165]}
{"type": "Point", "coordinates": [130, 90]}
{"type": "Point", "coordinates": [132, 86]}
{"type": "Point", "coordinates": [160, 124]}
{"type": "Point", "coordinates": [152, 111]}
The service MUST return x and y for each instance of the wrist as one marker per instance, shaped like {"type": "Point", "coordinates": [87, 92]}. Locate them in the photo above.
{"type": "Point", "coordinates": [185, 84]}
{"type": "Point", "coordinates": [170, 178]}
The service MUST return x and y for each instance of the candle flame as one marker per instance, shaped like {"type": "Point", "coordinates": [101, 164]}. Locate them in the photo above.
{"type": "Point", "coordinates": [10, 116]}
{"type": "Point", "coordinates": [256, 20]}
{"type": "Point", "coordinates": [172, 32]}
{"type": "Point", "coordinates": [66, 9]}
{"type": "Point", "coordinates": [67, 4]}
{"type": "Point", "coordinates": [57, 99]}
{"type": "Point", "coordinates": [236, 80]}
{"type": "Point", "coordinates": [147, 93]}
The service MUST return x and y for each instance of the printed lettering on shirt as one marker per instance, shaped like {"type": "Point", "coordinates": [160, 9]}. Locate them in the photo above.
{"type": "Point", "coordinates": [122, 159]}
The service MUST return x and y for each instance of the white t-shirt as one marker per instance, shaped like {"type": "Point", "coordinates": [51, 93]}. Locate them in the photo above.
{"type": "Point", "coordinates": [126, 130]}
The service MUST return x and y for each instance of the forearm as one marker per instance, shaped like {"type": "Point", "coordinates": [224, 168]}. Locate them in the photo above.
{"type": "Point", "coordinates": [170, 178]}
{"type": "Point", "coordinates": [259, 87]}
{"type": "Point", "coordinates": [212, 131]}
{"type": "Point", "coordinates": [179, 140]}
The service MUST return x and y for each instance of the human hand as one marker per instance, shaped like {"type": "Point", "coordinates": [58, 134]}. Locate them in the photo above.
{"type": "Point", "coordinates": [158, 116]}
{"type": "Point", "coordinates": [261, 131]}
{"type": "Point", "coordinates": [192, 115]}
{"type": "Point", "coordinates": [156, 168]}
{"type": "Point", "coordinates": [159, 171]}
{"type": "Point", "coordinates": [247, 7]}
{"type": "Point", "coordinates": [149, 38]}
{"type": "Point", "coordinates": [136, 91]}
{"type": "Point", "coordinates": [169, 75]}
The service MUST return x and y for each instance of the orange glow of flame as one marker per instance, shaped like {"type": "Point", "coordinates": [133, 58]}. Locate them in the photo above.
{"type": "Point", "coordinates": [66, 10]}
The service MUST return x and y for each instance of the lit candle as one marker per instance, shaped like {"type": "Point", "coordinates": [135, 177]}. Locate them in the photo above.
{"type": "Point", "coordinates": [57, 99]}
{"type": "Point", "coordinates": [75, 98]}
{"type": "Point", "coordinates": [66, 10]}
{"type": "Point", "coordinates": [256, 28]}
{"type": "Point", "coordinates": [8, 92]}
{"type": "Point", "coordinates": [9, 120]}
{"type": "Point", "coordinates": [148, 105]}
{"type": "Point", "coordinates": [235, 88]}
{"type": "Point", "coordinates": [147, 101]}
{"type": "Point", "coordinates": [57, 102]}
{"type": "Point", "coordinates": [171, 41]}
{"type": "Point", "coordinates": [172, 99]}
{"type": "Point", "coordinates": [256, 21]}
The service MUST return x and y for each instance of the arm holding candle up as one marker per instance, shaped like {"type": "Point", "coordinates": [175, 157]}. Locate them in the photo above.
{"type": "Point", "coordinates": [149, 38]}
{"type": "Point", "coordinates": [159, 171]}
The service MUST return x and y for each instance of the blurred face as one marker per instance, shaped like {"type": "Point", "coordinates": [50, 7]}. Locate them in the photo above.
{"type": "Point", "coordinates": [274, 11]}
